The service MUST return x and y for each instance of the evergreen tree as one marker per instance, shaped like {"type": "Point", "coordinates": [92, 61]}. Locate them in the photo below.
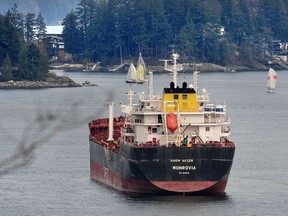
{"type": "Point", "coordinates": [212, 11]}
{"type": "Point", "coordinates": [211, 42]}
{"type": "Point", "coordinates": [227, 14]}
{"type": "Point", "coordinates": [276, 17]}
{"type": "Point", "coordinates": [225, 53]}
{"type": "Point", "coordinates": [97, 45]}
{"type": "Point", "coordinates": [187, 42]}
{"type": "Point", "coordinates": [29, 25]}
{"type": "Point", "coordinates": [85, 13]}
{"type": "Point", "coordinates": [241, 22]}
{"type": "Point", "coordinates": [139, 31]}
{"type": "Point", "coordinates": [72, 35]}
{"type": "Point", "coordinates": [33, 65]}
{"type": "Point", "coordinates": [200, 21]}
{"type": "Point", "coordinates": [2, 43]}
{"type": "Point", "coordinates": [110, 27]}
{"type": "Point", "coordinates": [6, 73]}
{"type": "Point", "coordinates": [12, 40]}
{"type": "Point", "coordinates": [40, 25]}
{"type": "Point", "coordinates": [94, 37]}
{"type": "Point", "coordinates": [246, 53]}
{"type": "Point", "coordinates": [24, 67]}
{"type": "Point", "coordinates": [43, 69]}
{"type": "Point", "coordinates": [124, 16]}
{"type": "Point", "coordinates": [175, 14]}
{"type": "Point", "coordinates": [17, 20]}
{"type": "Point", "coordinates": [160, 30]}
{"type": "Point", "coordinates": [34, 62]}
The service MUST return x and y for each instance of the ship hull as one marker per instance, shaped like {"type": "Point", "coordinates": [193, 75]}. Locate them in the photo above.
{"type": "Point", "coordinates": [162, 170]}
{"type": "Point", "coordinates": [131, 81]}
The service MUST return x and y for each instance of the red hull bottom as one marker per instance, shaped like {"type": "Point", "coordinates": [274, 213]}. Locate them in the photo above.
{"type": "Point", "coordinates": [114, 180]}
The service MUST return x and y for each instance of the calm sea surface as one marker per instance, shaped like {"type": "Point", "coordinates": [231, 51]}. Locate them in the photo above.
{"type": "Point", "coordinates": [57, 180]}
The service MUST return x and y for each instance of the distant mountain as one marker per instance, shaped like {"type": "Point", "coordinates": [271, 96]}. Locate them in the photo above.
{"type": "Point", "coordinates": [53, 11]}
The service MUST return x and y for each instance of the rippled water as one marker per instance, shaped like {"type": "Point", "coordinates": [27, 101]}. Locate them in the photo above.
{"type": "Point", "coordinates": [57, 181]}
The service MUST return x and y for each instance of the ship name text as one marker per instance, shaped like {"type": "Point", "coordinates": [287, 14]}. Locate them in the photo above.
{"type": "Point", "coordinates": [181, 160]}
{"type": "Point", "coordinates": [183, 166]}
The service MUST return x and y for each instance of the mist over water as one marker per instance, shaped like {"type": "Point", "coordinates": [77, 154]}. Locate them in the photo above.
{"type": "Point", "coordinates": [57, 180]}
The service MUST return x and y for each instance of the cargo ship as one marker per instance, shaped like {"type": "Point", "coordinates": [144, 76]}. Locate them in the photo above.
{"type": "Point", "coordinates": [174, 143]}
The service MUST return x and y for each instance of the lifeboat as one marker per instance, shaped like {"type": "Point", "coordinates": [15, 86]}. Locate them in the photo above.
{"type": "Point", "coordinates": [171, 120]}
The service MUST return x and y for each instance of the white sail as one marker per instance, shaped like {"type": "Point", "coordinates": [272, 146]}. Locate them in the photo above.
{"type": "Point", "coordinates": [131, 75]}
{"type": "Point", "coordinates": [141, 69]}
{"type": "Point", "coordinates": [271, 80]}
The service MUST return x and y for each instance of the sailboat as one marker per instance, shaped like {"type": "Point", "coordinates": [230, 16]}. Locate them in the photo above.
{"type": "Point", "coordinates": [131, 74]}
{"type": "Point", "coordinates": [271, 80]}
{"type": "Point", "coordinates": [141, 70]}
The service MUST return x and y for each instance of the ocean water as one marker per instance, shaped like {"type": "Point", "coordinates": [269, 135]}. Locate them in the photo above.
{"type": "Point", "coordinates": [52, 124]}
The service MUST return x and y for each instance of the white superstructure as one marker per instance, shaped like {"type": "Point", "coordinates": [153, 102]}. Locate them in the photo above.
{"type": "Point", "coordinates": [181, 116]}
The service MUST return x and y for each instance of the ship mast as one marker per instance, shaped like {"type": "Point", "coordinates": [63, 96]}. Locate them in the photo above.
{"type": "Point", "coordinates": [174, 68]}
{"type": "Point", "coordinates": [150, 85]}
{"type": "Point", "coordinates": [111, 113]}
{"type": "Point", "coordinates": [130, 95]}
{"type": "Point", "coordinates": [196, 81]}
{"type": "Point", "coordinates": [175, 57]}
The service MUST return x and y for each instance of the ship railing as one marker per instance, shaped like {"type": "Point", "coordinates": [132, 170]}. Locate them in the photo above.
{"type": "Point", "coordinates": [171, 67]}
{"type": "Point", "coordinates": [225, 134]}
{"type": "Point", "coordinates": [152, 107]}
{"type": "Point", "coordinates": [214, 112]}
{"type": "Point", "coordinates": [142, 144]}
{"type": "Point", "coordinates": [198, 142]}
{"type": "Point", "coordinates": [136, 109]}
{"type": "Point", "coordinates": [217, 120]}
{"type": "Point", "coordinates": [211, 108]}
{"type": "Point", "coordinates": [172, 139]}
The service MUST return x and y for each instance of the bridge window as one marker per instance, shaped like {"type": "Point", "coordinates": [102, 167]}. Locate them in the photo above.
{"type": "Point", "coordinates": [160, 119]}
{"type": "Point", "coordinates": [184, 97]}
{"type": "Point", "coordinates": [138, 121]}
{"type": "Point", "coordinates": [176, 97]}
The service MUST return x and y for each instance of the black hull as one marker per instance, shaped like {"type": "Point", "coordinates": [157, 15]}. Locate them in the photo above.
{"type": "Point", "coordinates": [203, 169]}
{"type": "Point", "coordinates": [130, 81]}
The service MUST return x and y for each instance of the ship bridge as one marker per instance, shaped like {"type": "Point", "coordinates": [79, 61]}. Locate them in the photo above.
{"type": "Point", "coordinates": [177, 99]}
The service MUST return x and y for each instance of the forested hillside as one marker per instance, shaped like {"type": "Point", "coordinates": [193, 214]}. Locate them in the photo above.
{"type": "Point", "coordinates": [98, 30]}
{"type": "Point", "coordinates": [225, 32]}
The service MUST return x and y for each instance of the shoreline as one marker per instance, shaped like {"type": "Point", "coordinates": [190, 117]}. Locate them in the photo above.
{"type": "Point", "coordinates": [52, 81]}
{"type": "Point", "coordinates": [203, 67]}
{"type": "Point", "coordinates": [35, 85]}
